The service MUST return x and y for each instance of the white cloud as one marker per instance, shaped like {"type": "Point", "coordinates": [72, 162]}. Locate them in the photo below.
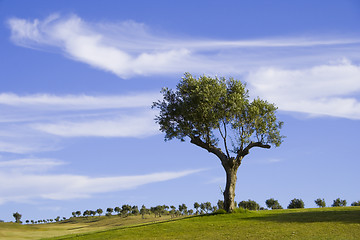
{"type": "Point", "coordinates": [27, 186]}
{"type": "Point", "coordinates": [36, 123]}
{"type": "Point", "coordinates": [125, 126]}
{"type": "Point", "coordinates": [321, 90]}
{"type": "Point", "coordinates": [129, 48]}
{"type": "Point", "coordinates": [29, 165]}
{"type": "Point", "coordinates": [78, 102]}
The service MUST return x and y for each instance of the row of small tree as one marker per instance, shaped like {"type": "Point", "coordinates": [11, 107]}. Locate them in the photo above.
{"type": "Point", "coordinates": [200, 208]}
{"type": "Point", "coordinates": [294, 203]}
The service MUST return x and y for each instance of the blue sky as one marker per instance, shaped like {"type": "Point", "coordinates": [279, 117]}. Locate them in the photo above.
{"type": "Point", "coordinates": [78, 79]}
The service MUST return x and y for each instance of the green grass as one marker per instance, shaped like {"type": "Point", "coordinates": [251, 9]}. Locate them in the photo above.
{"type": "Point", "coordinates": [326, 223]}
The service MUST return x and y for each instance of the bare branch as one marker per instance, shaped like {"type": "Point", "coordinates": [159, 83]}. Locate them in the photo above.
{"type": "Point", "coordinates": [210, 148]}
{"type": "Point", "coordinates": [251, 145]}
{"type": "Point", "coordinates": [224, 136]}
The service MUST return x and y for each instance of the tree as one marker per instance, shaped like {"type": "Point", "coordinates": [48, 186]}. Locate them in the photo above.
{"type": "Point", "coordinates": [296, 203]}
{"type": "Point", "coordinates": [109, 211]}
{"type": "Point", "coordinates": [17, 217]}
{"type": "Point", "coordinates": [73, 214]}
{"type": "Point", "coordinates": [208, 207]}
{"type": "Point", "coordinates": [355, 203]}
{"type": "Point", "coordinates": [208, 109]}
{"type": "Point", "coordinates": [78, 213]}
{"type": "Point", "coordinates": [339, 203]}
{"type": "Point", "coordinates": [125, 210]}
{"type": "Point", "coordinates": [99, 211]}
{"type": "Point", "coordinates": [135, 210]}
{"type": "Point", "coordinates": [220, 204]}
{"type": "Point", "coordinates": [117, 210]}
{"type": "Point", "coordinates": [250, 205]}
{"type": "Point", "coordinates": [320, 202]}
{"type": "Point", "coordinates": [273, 204]}
{"type": "Point", "coordinates": [183, 209]}
{"type": "Point", "coordinates": [144, 211]}
{"type": "Point", "coordinates": [196, 206]}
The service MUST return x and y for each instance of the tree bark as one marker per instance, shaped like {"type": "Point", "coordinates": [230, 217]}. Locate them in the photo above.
{"type": "Point", "coordinates": [229, 193]}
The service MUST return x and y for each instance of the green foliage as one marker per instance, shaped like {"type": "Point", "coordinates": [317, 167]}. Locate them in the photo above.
{"type": "Point", "coordinates": [273, 204]}
{"type": "Point", "coordinates": [339, 203]}
{"type": "Point", "coordinates": [109, 211]}
{"type": "Point", "coordinates": [200, 106]}
{"type": "Point", "coordinates": [99, 211]}
{"type": "Point", "coordinates": [220, 211]}
{"type": "Point", "coordinates": [296, 203]}
{"type": "Point", "coordinates": [220, 204]}
{"type": "Point", "coordinates": [355, 203]}
{"type": "Point", "coordinates": [250, 205]}
{"type": "Point", "coordinates": [17, 217]}
{"type": "Point", "coordinates": [320, 202]}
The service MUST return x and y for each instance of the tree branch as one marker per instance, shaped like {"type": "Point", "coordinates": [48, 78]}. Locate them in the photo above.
{"type": "Point", "coordinates": [210, 148]}
{"type": "Point", "coordinates": [246, 150]}
{"type": "Point", "coordinates": [224, 136]}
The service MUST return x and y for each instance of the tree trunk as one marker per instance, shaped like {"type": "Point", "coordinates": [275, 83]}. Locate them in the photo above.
{"type": "Point", "coordinates": [229, 193]}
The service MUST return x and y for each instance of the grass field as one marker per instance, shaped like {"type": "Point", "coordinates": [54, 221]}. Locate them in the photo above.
{"type": "Point", "coordinates": [326, 223]}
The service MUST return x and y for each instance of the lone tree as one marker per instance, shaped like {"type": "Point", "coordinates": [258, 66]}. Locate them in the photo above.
{"type": "Point", "coordinates": [273, 204]}
{"type": "Point", "coordinates": [320, 202]}
{"type": "Point", "coordinates": [17, 217]}
{"type": "Point", "coordinates": [216, 111]}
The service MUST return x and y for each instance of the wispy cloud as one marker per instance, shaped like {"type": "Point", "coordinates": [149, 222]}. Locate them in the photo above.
{"type": "Point", "coordinates": [34, 123]}
{"type": "Point", "coordinates": [295, 73]}
{"type": "Point", "coordinates": [78, 102]}
{"type": "Point", "coordinates": [330, 89]}
{"type": "Point", "coordinates": [129, 48]}
{"type": "Point", "coordinates": [26, 186]}
{"type": "Point", "coordinates": [141, 125]}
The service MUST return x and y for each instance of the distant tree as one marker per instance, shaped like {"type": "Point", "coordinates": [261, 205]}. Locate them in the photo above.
{"type": "Point", "coordinates": [135, 210]}
{"type": "Point", "coordinates": [202, 207]}
{"type": "Point", "coordinates": [183, 208]}
{"type": "Point", "coordinates": [296, 203]}
{"type": "Point", "coordinates": [157, 210]}
{"type": "Point", "coordinates": [144, 211]}
{"type": "Point", "coordinates": [117, 210]}
{"type": "Point", "coordinates": [64, 218]}
{"type": "Point", "coordinates": [273, 204]}
{"type": "Point", "coordinates": [355, 203]}
{"type": "Point", "coordinates": [172, 211]}
{"type": "Point", "coordinates": [339, 203]}
{"type": "Point", "coordinates": [27, 221]}
{"type": "Point", "coordinates": [208, 109]}
{"type": "Point", "coordinates": [109, 211]}
{"type": "Point", "coordinates": [196, 206]}
{"type": "Point", "coordinates": [125, 210]}
{"type": "Point", "coordinates": [190, 212]}
{"type": "Point", "coordinates": [86, 213]}
{"type": "Point", "coordinates": [57, 219]}
{"type": "Point", "coordinates": [99, 211]}
{"type": "Point", "coordinates": [17, 217]}
{"type": "Point", "coordinates": [220, 204]}
{"type": "Point", "coordinates": [320, 202]}
{"type": "Point", "coordinates": [208, 207]}
{"type": "Point", "coordinates": [78, 213]}
{"type": "Point", "coordinates": [73, 214]}
{"type": "Point", "coordinates": [250, 205]}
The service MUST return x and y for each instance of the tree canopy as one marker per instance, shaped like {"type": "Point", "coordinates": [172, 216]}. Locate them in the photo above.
{"type": "Point", "coordinates": [200, 108]}
{"type": "Point", "coordinates": [217, 114]}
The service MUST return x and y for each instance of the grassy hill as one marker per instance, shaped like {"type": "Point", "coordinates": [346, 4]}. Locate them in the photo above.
{"type": "Point", "coordinates": [326, 223]}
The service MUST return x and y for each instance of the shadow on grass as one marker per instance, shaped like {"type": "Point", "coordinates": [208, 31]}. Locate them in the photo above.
{"type": "Point", "coordinates": [343, 216]}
